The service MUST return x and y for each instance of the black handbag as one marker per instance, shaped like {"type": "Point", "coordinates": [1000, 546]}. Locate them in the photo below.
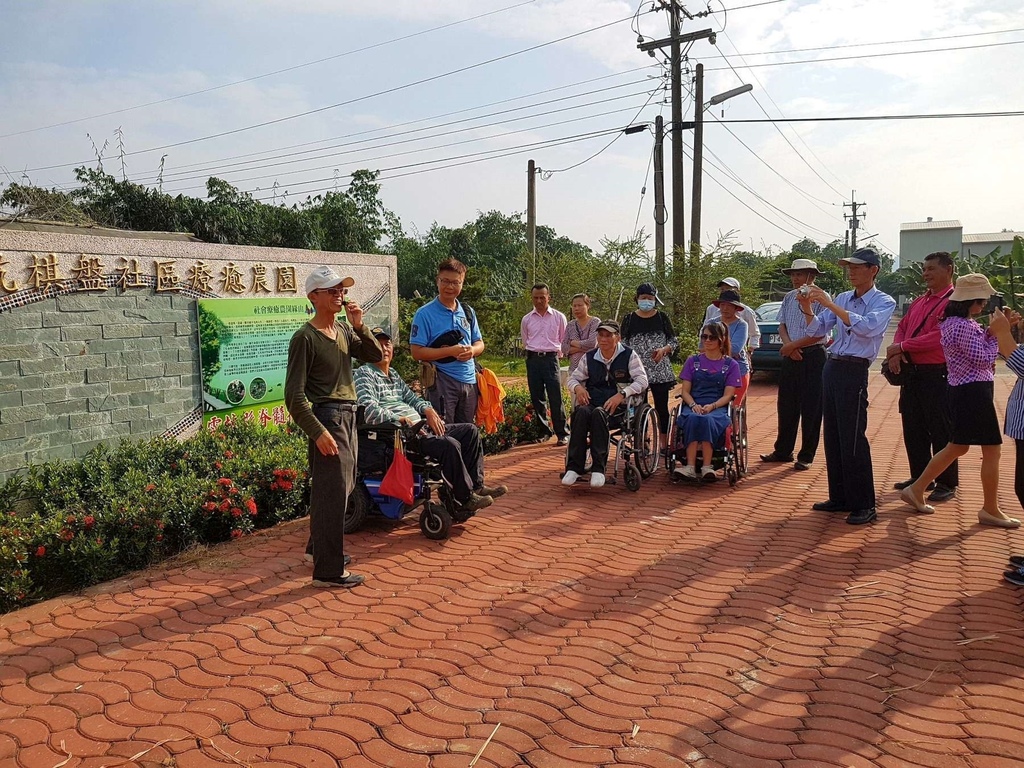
{"type": "Point", "coordinates": [899, 379]}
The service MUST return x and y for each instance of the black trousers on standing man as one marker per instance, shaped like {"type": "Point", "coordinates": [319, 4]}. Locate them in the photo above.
{"type": "Point", "coordinates": [542, 378]}
{"type": "Point", "coordinates": [799, 404]}
{"type": "Point", "coordinates": [331, 481]}
{"type": "Point", "coordinates": [851, 481]}
{"type": "Point", "coordinates": [927, 423]}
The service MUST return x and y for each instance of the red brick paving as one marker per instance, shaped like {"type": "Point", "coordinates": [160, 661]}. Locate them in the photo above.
{"type": "Point", "coordinates": [677, 626]}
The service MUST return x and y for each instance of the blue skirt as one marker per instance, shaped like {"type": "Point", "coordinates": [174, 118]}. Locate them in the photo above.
{"type": "Point", "coordinates": [703, 428]}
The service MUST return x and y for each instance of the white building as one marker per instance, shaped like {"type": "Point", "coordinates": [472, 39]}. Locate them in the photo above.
{"type": "Point", "coordinates": [919, 238]}
{"type": "Point", "coordinates": [985, 243]}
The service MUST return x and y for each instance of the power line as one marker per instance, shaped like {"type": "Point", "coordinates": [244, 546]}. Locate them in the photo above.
{"type": "Point", "coordinates": [387, 91]}
{"type": "Point", "coordinates": [870, 118]}
{"type": "Point", "coordinates": [752, 5]}
{"type": "Point", "coordinates": [271, 74]}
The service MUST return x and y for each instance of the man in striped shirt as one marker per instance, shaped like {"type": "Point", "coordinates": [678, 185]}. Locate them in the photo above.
{"type": "Point", "coordinates": [387, 399]}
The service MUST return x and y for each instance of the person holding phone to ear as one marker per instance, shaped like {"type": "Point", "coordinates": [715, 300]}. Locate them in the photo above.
{"type": "Point", "coordinates": [971, 352]}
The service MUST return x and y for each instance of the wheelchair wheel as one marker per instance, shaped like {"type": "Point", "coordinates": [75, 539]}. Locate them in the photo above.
{"type": "Point", "coordinates": [632, 477]}
{"type": "Point", "coordinates": [358, 508]}
{"type": "Point", "coordinates": [740, 447]}
{"type": "Point", "coordinates": [673, 440]}
{"type": "Point", "coordinates": [435, 522]}
{"type": "Point", "coordinates": [645, 441]}
{"type": "Point", "coordinates": [731, 472]}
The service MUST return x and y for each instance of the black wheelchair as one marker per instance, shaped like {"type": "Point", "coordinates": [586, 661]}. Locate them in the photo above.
{"type": "Point", "coordinates": [432, 493]}
{"type": "Point", "coordinates": [731, 456]}
{"type": "Point", "coordinates": [634, 443]}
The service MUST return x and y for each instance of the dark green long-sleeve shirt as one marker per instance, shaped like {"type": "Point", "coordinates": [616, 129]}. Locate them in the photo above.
{"type": "Point", "coordinates": [320, 370]}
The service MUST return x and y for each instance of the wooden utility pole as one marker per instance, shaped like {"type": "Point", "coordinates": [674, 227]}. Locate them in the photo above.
{"type": "Point", "coordinates": [531, 215]}
{"type": "Point", "coordinates": [660, 214]}
{"type": "Point", "coordinates": [855, 220]}
{"type": "Point", "coordinates": [678, 224]}
{"type": "Point", "coordinates": [698, 160]}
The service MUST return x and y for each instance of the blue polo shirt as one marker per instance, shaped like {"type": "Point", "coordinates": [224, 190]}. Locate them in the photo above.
{"type": "Point", "coordinates": [433, 319]}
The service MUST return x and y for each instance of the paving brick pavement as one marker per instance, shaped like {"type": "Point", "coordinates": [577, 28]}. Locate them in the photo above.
{"type": "Point", "coordinates": [671, 627]}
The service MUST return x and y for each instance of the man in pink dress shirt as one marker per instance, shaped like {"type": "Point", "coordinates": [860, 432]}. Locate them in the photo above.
{"type": "Point", "coordinates": [542, 330]}
{"type": "Point", "coordinates": [917, 350]}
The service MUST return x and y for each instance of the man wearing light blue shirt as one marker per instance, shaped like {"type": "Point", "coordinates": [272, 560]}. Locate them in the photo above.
{"type": "Point", "coordinates": [860, 318]}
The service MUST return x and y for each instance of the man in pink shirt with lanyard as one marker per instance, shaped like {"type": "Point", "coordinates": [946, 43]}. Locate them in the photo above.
{"type": "Point", "coordinates": [917, 351]}
{"type": "Point", "coordinates": [542, 330]}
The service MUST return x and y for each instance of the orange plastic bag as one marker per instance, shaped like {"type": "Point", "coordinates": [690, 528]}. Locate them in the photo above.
{"type": "Point", "coordinates": [398, 481]}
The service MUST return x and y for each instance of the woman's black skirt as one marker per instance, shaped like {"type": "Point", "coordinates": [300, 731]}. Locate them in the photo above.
{"type": "Point", "coordinates": [974, 414]}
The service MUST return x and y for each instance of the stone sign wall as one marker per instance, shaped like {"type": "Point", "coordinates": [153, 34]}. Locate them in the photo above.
{"type": "Point", "coordinates": [98, 335]}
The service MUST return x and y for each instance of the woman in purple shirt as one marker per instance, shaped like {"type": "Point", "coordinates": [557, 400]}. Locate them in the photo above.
{"type": "Point", "coordinates": [970, 357]}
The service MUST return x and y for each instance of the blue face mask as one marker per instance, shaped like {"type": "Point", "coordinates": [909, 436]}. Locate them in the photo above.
{"type": "Point", "coordinates": [645, 305]}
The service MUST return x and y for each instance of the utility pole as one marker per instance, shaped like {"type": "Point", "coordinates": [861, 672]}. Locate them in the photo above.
{"type": "Point", "coordinates": [531, 215]}
{"type": "Point", "coordinates": [855, 220]}
{"type": "Point", "coordinates": [678, 224]}
{"type": "Point", "coordinates": [698, 161]}
{"type": "Point", "coordinates": [660, 214]}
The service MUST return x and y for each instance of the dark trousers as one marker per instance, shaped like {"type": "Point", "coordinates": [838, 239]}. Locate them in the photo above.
{"type": "Point", "coordinates": [331, 479]}
{"type": "Point", "coordinates": [454, 401]}
{"type": "Point", "coordinates": [799, 404]}
{"type": "Point", "coordinates": [542, 378]}
{"type": "Point", "coordinates": [659, 393]}
{"type": "Point", "coordinates": [461, 456]}
{"type": "Point", "coordinates": [589, 421]}
{"type": "Point", "coordinates": [1018, 475]}
{"type": "Point", "coordinates": [851, 481]}
{"type": "Point", "coordinates": [927, 423]}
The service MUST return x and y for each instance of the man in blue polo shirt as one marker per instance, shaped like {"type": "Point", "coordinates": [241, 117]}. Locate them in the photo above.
{"type": "Point", "coordinates": [446, 334]}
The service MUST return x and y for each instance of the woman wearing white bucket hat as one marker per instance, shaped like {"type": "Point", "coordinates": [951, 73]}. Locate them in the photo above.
{"type": "Point", "coordinates": [970, 355]}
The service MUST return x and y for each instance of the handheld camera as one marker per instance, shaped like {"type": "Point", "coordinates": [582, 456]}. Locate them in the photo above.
{"type": "Point", "coordinates": [995, 302]}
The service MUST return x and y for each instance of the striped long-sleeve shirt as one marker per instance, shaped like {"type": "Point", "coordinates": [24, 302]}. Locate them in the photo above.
{"type": "Point", "coordinates": [386, 397]}
{"type": "Point", "coordinates": [1014, 424]}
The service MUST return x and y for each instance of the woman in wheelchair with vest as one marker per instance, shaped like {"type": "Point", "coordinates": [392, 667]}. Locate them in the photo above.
{"type": "Point", "coordinates": [710, 380]}
{"type": "Point", "coordinates": [600, 384]}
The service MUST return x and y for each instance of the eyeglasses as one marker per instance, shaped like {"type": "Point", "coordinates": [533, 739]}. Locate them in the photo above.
{"type": "Point", "coordinates": [708, 337]}
{"type": "Point", "coordinates": [449, 283]}
{"type": "Point", "coordinates": [332, 291]}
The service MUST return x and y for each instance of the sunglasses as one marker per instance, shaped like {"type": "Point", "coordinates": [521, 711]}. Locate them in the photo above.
{"type": "Point", "coordinates": [708, 337]}
{"type": "Point", "coordinates": [332, 291]}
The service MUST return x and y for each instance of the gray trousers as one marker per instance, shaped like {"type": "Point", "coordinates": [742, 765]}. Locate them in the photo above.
{"type": "Point", "coordinates": [332, 479]}
{"type": "Point", "coordinates": [454, 401]}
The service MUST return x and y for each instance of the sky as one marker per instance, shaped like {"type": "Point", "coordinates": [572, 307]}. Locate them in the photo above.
{"type": "Point", "coordinates": [338, 90]}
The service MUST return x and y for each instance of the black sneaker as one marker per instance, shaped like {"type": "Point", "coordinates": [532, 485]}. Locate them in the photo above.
{"type": "Point", "coordinates": [774, 458]}
{"type": "Point", "coordinates": [829, 506]}
{"type": "Point", "coordinates": [346, 580]}
{"type": "Point", "coordinates": [862, 516]}
{"type": "Point", "coordinates": [1017, 560]}
{"type": "Point", "coordinates": [1014, 577]}
{"type": "Point", "coordinates": [942, 493]}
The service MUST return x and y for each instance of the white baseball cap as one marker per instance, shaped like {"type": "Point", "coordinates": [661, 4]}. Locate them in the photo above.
{"type": "Point", "coordinates": [325, 277]}
{"type": "Point", "coordinates": [732, 282]}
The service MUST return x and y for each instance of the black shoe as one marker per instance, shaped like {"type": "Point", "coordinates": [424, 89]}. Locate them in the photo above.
{"type": "Point", "coordinates": [908, 483]}
{"type": "Point", "coordinates": [829, 506]}
{"type": "Point", "coordinates": [346, 581]}
{"type": "Point", "coordinates": [802, 465]}
{"type": "Point", "coordinates": [1014, 577]}
{"type": "Point", "coordinates": [774, 458]}
{"type": "Point", "coordinates": [1017, 560]}
{"type": "Point", "coordinates": [942, 493]}
{"type": "Point", "coordinates": [344, 560]}
{"type": "Point", "coordinates": [862, 516]}
{"type": "Point", "coordinates": [562, 441]}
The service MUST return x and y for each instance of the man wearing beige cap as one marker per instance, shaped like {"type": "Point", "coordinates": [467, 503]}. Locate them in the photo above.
{"type": "Point", "coordinates": [321, 398]}
{"type": "Point", "coordinates": [803, 359]}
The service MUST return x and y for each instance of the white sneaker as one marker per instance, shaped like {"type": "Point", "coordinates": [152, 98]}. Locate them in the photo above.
{"type": "Point", "coordinates": [570, 478]}
{"type": "Point", "coordinates": [686, 470]}
{"type": "Point", "coordinates": [596, 479]}
{"type": "Point", "coordinates": [707, 474]}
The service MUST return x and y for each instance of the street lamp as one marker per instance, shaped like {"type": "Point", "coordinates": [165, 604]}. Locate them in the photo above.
{"type": "Point", "coordinates": [698, 147]}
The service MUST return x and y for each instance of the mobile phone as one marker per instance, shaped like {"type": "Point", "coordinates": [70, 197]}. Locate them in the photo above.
{"type": "Point", "coordinates": [995, 302]}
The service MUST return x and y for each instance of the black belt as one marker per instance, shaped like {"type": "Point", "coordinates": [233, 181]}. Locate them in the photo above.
{"type": "Point", "coordinates": [850, 359]}
{"type": "Point", "coordinates": [337, 405]}
{"type": "Point", "coordinates": [531, 353]}
{"type": "Point", "coordinates": [927, 367]}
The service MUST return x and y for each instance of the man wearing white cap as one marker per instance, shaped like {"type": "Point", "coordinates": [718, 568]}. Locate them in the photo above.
{"type": "Point", "coordinates": [803, 358]}
{"type": "Point", "coordinates": [860, 318]}
{"type": "Point", "coordinates": [321, 398]}
{"type": "Point", "coordinates": [746, 314]}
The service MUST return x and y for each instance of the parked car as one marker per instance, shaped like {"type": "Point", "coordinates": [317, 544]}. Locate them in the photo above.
{"type": "Point", "coordinates": [766, 357]}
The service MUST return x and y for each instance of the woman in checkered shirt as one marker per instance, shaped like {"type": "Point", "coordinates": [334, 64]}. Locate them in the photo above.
{"type": "Point", "coordinates": [971, 353]}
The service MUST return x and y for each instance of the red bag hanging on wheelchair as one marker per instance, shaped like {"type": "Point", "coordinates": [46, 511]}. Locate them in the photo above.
{"type": "Point", "coordinates": [398, 480]}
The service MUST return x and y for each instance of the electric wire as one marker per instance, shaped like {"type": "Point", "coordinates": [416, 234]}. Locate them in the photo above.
{"type": "Point", "coordinates": [871, 118]}
{"type": "Point", "coordinates": [275, 72]}
{"type": "Point", "coordinates": [357, 99]}
{"type": "Point", "coordinates": [885, 42]}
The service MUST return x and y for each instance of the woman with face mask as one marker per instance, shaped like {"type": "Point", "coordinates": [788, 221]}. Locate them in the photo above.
{"type": "Point", "coordinates": [649, 333]}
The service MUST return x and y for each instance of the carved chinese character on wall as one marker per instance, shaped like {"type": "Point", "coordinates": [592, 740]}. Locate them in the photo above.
{"type": "Point", "coordinates": [129, 275]}
{"type": "Point", "coordinates": [286, 282]}
{"type": "Point", "coordinates": [7, 284]}
{"type": "Point", "coordinates": [166, 277]}
{"type": "Point", "coordinates": [43, 271]}
{"type": "Point", "coordinates": [231, 279]}
{"type": "Point", "coordinates": [89, 273]}
{"type": "Point", "coordinates": [259, 279]}
{"type": "Point", "coordinates": [200, 276]}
